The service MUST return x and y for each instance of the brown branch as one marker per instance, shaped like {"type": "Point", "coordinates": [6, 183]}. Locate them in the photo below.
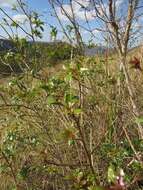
{"type": "Point", "coordinates": [12, 170]}
{"type": "Point", "coordinates": [64, 164]}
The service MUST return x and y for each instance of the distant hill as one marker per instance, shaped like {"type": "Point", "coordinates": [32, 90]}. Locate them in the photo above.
{"type": "Point", "coordinates": [94, 50]}
{"type": "Point", "coordinates": [5, 45]}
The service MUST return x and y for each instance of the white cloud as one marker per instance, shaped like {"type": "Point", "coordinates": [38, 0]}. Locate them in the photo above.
{"type": "Point", "coordinates": [79, 12]}
{"type": "Point", "coordinates": [96, 32]}
{"type": "Point", "coordinates": [119, 3]}
{"type": "Point", "coordinates": [103, 9]}
{"type": "Point", "coordinates": [137, 25]}
{"type": "Point", "coordinates": [7, 3]}
{"type": "Point", "coordinates": [20, 18]}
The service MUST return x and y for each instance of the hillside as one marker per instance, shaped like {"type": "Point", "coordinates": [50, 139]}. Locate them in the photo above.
{"type": "Point", "coordinates": [71, 114]}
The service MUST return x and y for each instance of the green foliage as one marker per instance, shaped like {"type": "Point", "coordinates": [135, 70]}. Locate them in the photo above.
{"type": "Point", "coordinates": [111, 174]}
{"type": "Point", "coordinates": [53, 32]}
{"type": "Point", "coordinates": [64, 129]}
{"type": "Point", "coordinates": [83, 180]}
{"type": "Point", "coordinates": [44, 125]}
{"type": "Point", "coordinates": [139, 120]}
{"type": "Point", "coordinates": [58, 51]}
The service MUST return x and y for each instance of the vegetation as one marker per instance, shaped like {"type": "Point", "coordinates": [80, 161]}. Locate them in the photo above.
{"type": "Point", "coordinates": [69, 121]}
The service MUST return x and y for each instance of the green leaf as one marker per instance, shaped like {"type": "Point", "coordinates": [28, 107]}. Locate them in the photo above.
{"type": "Point", "coordinates": [71, 142]}
{"type": "Point", "coordinates": [70, 98]}
{"type": "Point", "coordinates": [111, 174]}
{"type": "Point", "coordinates": [95, 188]}
{"type": "Point", "coordinates": [68, 77]}
{"type": "Point", "coordinates": [53, 32]}
{"type": "Point", "coordinates": [14, 24]}
{"type": "Point", "coordinates": [69, 28]}
{"type": "Point", "coordinates": [3, 168]}
{"type": "Point", "coordinates": [14, 8]}
{"type": "Point", "coordinates": [139, 120]}
{"type": "Point", "coordinates": [51, 100]}
{"type": "Point", "coordinates": [24, 172]}
{"type": "Point", "coordinates": [77, 111]}
{"type": "Point", "coordinates": [42, 29]}
{"type": "Point", "coordinates": [45, 87]}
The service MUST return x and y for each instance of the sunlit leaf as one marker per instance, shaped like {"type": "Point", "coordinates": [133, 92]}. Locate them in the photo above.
{"type": "Point", "coordinates": [71, 142]}
{"type": "Point", "coordinates": [77, 111]}
{"type": "Point", "coordinates": [111, 174]}
{"type": "Point", "coordinates": [139, 120]}
{"type": "Point", "coordinates": [51, 100]}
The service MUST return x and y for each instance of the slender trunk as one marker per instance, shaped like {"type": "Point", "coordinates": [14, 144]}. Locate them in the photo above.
{"type": "Point", "coordinates": [132, 96]}
{"type": "Point", "coordinates": [91, 144]}
{"type": "Point", "coordinates": [12, 171]}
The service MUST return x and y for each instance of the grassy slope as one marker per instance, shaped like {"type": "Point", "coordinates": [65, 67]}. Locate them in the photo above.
{"type": "Point", "coordinates": [102, 117]}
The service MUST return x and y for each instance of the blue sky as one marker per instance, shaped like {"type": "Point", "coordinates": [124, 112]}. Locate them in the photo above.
{"type": "Point", "coordinates": [38, 4]}
{"type": "Point", "coordinates": [44, 9]}
{"type": "Point", "coordinates": [35, 5]}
